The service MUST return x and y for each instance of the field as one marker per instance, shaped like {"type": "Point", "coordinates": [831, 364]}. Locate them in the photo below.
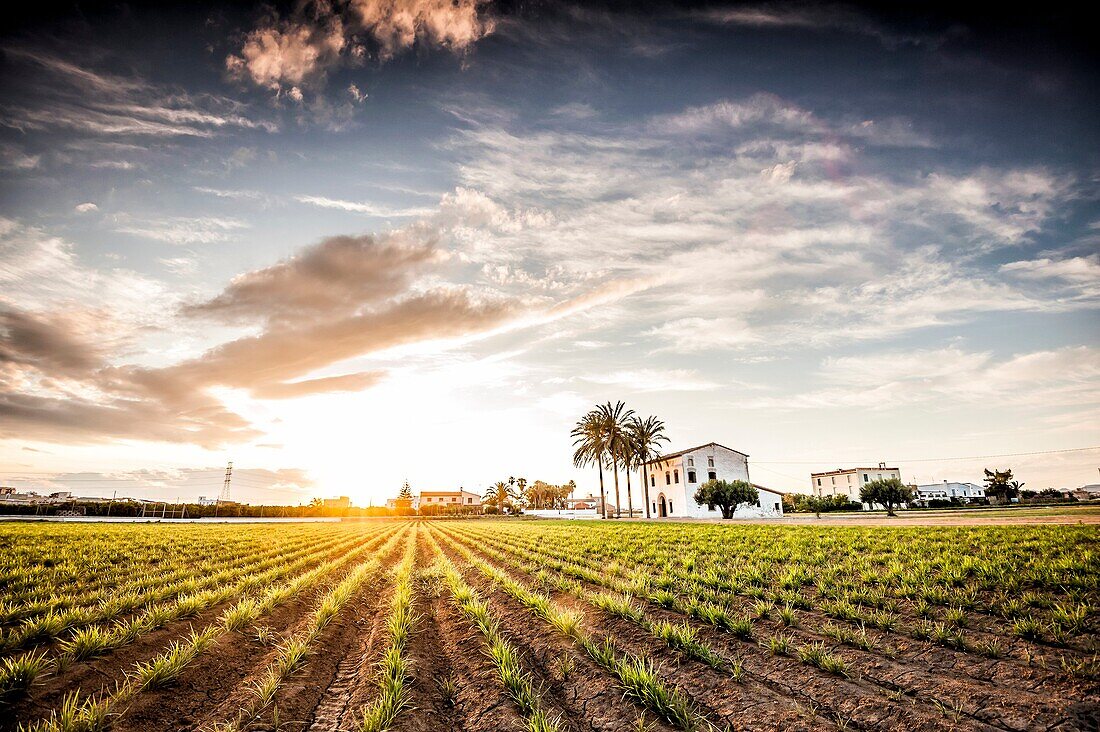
{"type": "Point", "coordinates": [512, 625]}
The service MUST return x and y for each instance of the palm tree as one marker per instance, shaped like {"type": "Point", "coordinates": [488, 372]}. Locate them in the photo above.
{"type": "Point", "coordinates": [613, 421]}
{"type": "Point", "coordinates": [498, 494]}
{"type": "Point", "coordinates": [646, 436]}
{"type": "Point", "coordinates": [590, 447]}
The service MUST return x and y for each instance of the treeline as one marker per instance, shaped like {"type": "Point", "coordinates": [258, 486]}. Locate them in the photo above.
{"type": "Point", "coordinates": [134, 509]}
{"type": "Point", "coordinates": [516, 494]}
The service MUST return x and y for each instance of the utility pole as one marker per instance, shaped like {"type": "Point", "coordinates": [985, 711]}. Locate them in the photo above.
{"type": "Point", "coordinates": [225, 488]}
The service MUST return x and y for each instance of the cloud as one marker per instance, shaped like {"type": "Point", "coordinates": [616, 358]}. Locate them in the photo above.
{"type": "Point", "coordinates": [337, 276]}
{"type": "Point", "coordinates": [64, 375]}
{"type": "Point", "coordinates": [13, 157]}
{"type": "Point", "coordinates": [761, 226]}
{"type": "Point", "coordinates": [182, 230]}
{"type": "Point", "coordinates": [290, 53]}
{"type": "Point", "coordinates": [287, 55]}
{"type": "Point", "coordinates": [1067, 378]}
{"type": "Point", "coordinates": [61, 343]}
{"type": "Point", "coordinates": [71, 96]}
{"type": "Point", "coordinates": [363, 208]}
{"type": "Point", "coordinates": [645, 380]}
{"type": "Point", "coordinates": [295, 389]}
{"type": "Point", "coordinates": [1081, 270]}
{"type": "Point", "coordinates": [396, 25]}
{"type": "Point", "coordinates": [86, 207]}
{"type": "Point", "coordinates": [817, 17]}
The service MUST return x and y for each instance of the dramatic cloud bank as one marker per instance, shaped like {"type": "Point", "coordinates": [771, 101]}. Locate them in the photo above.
{"type": "Point", "coordinates": [289, 54]}
{"type": "Point", "coordinates": [64, 373]}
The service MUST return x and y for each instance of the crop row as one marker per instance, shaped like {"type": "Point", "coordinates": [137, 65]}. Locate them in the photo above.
{"type": "Point", "coordinates": [94, 712]}
{"type": "Point", "coordinates": [188, 594]}
{"type": "Point", "coordinates": [623, 586]}
{"type": "Point", "coordinates": [36, 566]}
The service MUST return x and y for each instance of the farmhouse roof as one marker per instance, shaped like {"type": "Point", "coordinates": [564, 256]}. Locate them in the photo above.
{"type": "Point", "coordinates": [776, 491]}
{"type": "Point", "coordinates": [841, 471]}
{"type": "Point", "coordinates": [678, 453]}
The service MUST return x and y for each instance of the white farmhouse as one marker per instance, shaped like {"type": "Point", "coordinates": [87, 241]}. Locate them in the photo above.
{"type": "Point", "coordinates": [674, 478]}
{"type": "Point", "coordinates": [460, 501]}
{"type": "Point", "coordinates": [945, 491]}
{"type": "Point", "coordinates": [847, 481]}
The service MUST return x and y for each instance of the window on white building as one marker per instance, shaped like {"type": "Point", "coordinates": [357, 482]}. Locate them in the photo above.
{"type": "Point", "coordinates": [691, 476]}
{"type": "Point", "coordinates": [691, 462]}
{"type": "Point", "coordinates": [711, 475]}
{"type": "Point", "coordinates": [668, 478]}
{"type": "Point", "coordinates": [710, 462]}
{"type": "Point", "coordinates": [676, 476]}
{"type": "Point", "coordinates": [653, 481]}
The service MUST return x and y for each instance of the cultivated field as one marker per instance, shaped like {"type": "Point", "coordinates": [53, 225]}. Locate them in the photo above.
{"type": "Point", "coordinates": [508, 625]}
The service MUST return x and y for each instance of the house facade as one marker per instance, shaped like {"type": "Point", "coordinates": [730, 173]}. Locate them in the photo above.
{"type": "Point", "coordinates": [946, 491]}
{"type": "Point", "coordinates": [460, 501]}
{"type": "Point", "coordinates": [674, 478]}
{"type": "Point", "coordinates": [848, 481]}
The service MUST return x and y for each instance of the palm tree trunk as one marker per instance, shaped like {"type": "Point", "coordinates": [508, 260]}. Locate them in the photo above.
{"type": "Point", "coordinates": [615, 465]}
{"type": "Point", "coordinates": [629, 500]}
{"type": "Point", "coordinates": [645, 489]}
{"type": "Point", "coordinates": [603, 500]}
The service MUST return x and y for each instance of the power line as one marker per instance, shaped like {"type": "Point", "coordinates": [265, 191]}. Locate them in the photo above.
{"type": "Point", "coordinates": [929, 460]}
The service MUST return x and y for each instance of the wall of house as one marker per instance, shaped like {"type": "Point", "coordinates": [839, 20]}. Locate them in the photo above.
{"type": "Point", "coordinates": [849, 482]}
{"type": "Point", "coordinates": [728, 465]}
{"type": "Point", "coordinates": [564, 513]}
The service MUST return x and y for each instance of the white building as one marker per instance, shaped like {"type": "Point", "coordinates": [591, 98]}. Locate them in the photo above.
{"type": "Point", "coordinates": [945, 491]}
{"type": "Point", "coordinates": [460, 501]}
{"type": "Point", "coordinates": [674, 478]}
{"type": "Point", "coordinates": [847, 481]}
{"type": "Point", "coordinates": [391, 503]}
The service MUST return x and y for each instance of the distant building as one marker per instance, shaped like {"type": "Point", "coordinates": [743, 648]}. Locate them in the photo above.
{"type": "Point", "coordinates": [204, 501]}
{"type": "Point", "coordinates": [946, 491]}
{"type": "Point", "coordinates": [341, 502]}
{"type": "Point", "coordinates": [847, 481]}
{"type": "Point", "coordinates": [460, 501]}
{"type": "Point", "coordinates": [589, 502]}
{"type": "Point", "coordinates": [1089, 492]}
{"type": "Point", "coordinates": [674, 478]}
{"type": "Point", "coordinates": [11, 496]}
{"type": "Point", "coordinates": [391, 503]}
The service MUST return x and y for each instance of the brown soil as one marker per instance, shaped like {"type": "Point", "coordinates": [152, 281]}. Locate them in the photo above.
{"type": "Point", "coordinates": [454, 686]}
{"type": "Point", "coordinates": [938, 687]}
{"type": "Point", "coordinates": [587, 693]}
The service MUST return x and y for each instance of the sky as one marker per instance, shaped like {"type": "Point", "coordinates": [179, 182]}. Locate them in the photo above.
{"type": "Point", "coordinates": [348, 244]}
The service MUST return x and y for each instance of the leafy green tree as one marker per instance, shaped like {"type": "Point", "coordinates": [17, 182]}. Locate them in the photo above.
{"type": "Point", "coordinates": [403, 504]}
{"type": "Point", "coordinates": [727, 495]}
{"type": "Point", "coordinates": [999, 484]}
{"type": "Point", "coordinates": [890, 492]}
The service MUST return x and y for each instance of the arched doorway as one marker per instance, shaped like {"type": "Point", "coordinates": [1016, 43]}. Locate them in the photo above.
{"type": "Point", "coordinates": [662, 506]}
